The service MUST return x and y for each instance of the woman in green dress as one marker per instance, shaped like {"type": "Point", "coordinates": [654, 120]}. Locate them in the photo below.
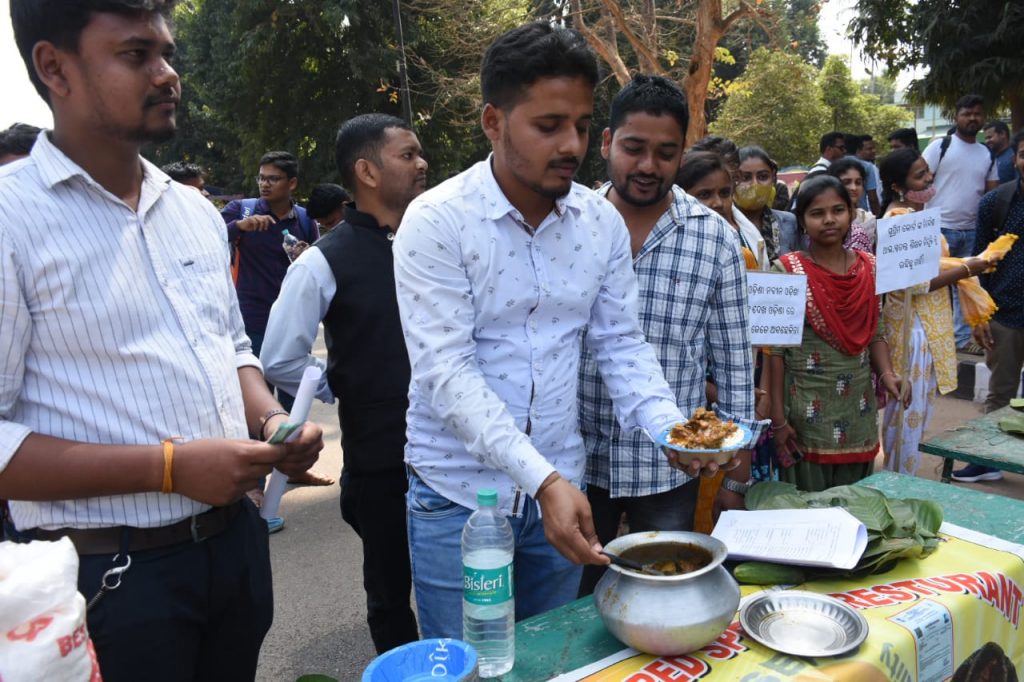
{"type": "Point", "coordinates": [823, 401]}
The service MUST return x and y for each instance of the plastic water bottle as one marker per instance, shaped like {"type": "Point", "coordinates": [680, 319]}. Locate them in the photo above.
{"type": "Point", "coordinates": [488, 607]}
{"type": "Point", "coordinates": [289, 244]}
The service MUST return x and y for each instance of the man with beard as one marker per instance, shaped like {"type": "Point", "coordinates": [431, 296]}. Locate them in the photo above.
{"type": "Point", "coordinates": [963, 171]}
{"type": "Point", "coordinates": [500, 272]}
{"type": "Point", "coordinates": [347, 281]}
{"type": "Point", "coordinates": [128, 388]}
{"type": "Point", "coordinates": [693, 311]}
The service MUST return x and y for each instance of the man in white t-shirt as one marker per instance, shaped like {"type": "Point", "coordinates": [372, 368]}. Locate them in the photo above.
{"type": "Point", "coordinates": [963, 171]}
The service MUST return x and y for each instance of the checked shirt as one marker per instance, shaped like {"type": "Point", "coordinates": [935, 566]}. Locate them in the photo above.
{"type": "Point", "coordinates": [693, 310]}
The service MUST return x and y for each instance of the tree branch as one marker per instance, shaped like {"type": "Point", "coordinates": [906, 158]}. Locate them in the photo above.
{"type": "Point", "coordinates": [608, 52]}
{"type": "Point", "coordinates": [648, 58]}
{"type": "Point", "coordinates": [744, 10]}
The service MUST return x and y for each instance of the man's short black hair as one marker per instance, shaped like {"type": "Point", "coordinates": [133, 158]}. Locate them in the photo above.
{"type": "Point", "coordinates": [654, 95]}
{"type": "Point", "coordinates": [998, 126]}
{"type": "Point", "coordinates": [180, 171]}
{"type": "Point", "coordinates": [908, 136]}
{"type": "Point", "coordinates": [283, 161]}
{"type": "Point", "coordinates": [1016, 141]}
{"type": "Point", "coordinates": [969, 102]}
{"type": "Point", "coordinates": [325, 199]}
{"type": "Point", "coordinates": [362, 138]}
{"type": "Point", "coordinates": [830, 140]}
{"type": "Point", "coordinates": [61, 22]}
{"type": "Point", "coordinates": [520, 57]}
{"type": "Point", "coordinates": [854, 143]}
{"type": "Point", "coordinates": [18, 139]}
{"type": "Point", "coordinates": [722, 146]}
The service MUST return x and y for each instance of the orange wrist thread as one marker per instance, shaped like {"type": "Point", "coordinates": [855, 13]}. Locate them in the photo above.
{"type": "Point", "coordinates": [168, 483]}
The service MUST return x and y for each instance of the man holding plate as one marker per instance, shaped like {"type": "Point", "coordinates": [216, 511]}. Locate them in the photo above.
{"type": "Point", "coordinates": [693, 312]}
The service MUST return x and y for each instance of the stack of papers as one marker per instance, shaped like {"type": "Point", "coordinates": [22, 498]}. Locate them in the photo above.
{"type": "Point", "coordinates": [831, 538]}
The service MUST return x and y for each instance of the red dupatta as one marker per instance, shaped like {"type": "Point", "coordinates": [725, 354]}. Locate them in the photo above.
{"type": "Point", "coordinates": [842, 309]}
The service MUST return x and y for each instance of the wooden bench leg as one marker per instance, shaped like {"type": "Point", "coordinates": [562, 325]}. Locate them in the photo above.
{"type": "Point", "coordinates": [947, 470]}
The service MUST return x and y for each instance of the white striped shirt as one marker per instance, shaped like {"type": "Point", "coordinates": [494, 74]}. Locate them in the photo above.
{"type": "Point", "coordinates": [116, 326]}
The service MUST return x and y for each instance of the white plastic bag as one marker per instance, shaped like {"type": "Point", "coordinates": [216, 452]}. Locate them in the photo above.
{"type": "Point", "coordinates": [43, 635]}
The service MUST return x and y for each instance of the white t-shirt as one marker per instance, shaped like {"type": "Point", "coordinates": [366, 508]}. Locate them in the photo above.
{"type": "Point", "coordinates": [960, 180]}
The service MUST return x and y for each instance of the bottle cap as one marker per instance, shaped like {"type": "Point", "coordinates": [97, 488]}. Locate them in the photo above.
{"type": "Point", "coordinates": [487, 497]}
{"type": "Point", "coordinates": [284, 231]}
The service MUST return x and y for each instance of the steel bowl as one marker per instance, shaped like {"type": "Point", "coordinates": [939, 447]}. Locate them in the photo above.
{"type": "Point", "coordinates": [673, 614]}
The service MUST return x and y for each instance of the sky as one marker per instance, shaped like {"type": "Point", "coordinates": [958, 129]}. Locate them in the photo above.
{"type": "Point", "coordinates": [21, 103]}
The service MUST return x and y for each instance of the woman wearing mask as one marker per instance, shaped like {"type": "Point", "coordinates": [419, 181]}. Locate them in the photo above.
{"type": "Point", "coordinates": [706, 177]}
{"type": "Point", "coordinates": [931, 362]}
{"type": "Point", "coordinates": [754, 196]}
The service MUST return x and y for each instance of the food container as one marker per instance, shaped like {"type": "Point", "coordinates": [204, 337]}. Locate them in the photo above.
{"type": "Point", "coordinates": [803, 623]}
{"type": "Point", "coordinates": [720, 456]}
{"type": "Point", "coordinates": [673, 614]}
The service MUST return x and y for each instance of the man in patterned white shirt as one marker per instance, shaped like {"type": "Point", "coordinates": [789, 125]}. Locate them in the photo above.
{"type": "Point", "coordinates": [128, 389]}
{"type": "Point", "coordinates": [500, 271]}
{"type": "Point", "coordinates": [693, 309]}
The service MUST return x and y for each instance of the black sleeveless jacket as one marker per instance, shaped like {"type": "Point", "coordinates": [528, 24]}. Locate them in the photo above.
{"type": "Point", "coordinates": [367, 364]}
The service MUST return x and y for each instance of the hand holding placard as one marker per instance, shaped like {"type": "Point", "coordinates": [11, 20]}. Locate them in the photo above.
{"type": "Point", "coordinates": [287, 433]}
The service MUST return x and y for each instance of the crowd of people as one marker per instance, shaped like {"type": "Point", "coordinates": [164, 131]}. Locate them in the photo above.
{"type": "Point", "coordinates": [507, 329]}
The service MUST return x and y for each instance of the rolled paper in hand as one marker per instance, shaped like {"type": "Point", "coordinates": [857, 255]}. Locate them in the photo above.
{"type": "Point", "coordinates": [289, 432]}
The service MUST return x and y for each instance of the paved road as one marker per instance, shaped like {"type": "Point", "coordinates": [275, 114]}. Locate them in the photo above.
{"type": "Point", "coordinates": [319, 604]}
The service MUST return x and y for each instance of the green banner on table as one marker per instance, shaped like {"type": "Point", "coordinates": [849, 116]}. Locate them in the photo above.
{"type": "Point", "coordinates": [957, 612]}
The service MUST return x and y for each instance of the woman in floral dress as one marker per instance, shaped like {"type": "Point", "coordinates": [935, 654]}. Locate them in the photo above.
{"type": "Point", "coordinates": [823, 403]}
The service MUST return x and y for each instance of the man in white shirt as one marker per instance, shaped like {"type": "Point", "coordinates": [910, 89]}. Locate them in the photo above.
{"type": "Point", "coordinates": [128, 389]}
{"type": "Point", "coordinates": [964, 171]}
{"type": "Point", "coordinates": [832, 147]}
{"type": "Point", "coordinates": [347, 281]}
{"type": "Point", "coordinates": [499, 272]}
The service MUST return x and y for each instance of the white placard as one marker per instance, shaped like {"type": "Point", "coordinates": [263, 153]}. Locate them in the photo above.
{"type": "Point", "coordinates": [777, 305]}
{"type": "Point", "coordinates": [909, 248]}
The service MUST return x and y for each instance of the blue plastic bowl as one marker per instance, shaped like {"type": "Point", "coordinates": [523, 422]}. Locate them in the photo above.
{"type": "Point", "coordinates": [429, 660]}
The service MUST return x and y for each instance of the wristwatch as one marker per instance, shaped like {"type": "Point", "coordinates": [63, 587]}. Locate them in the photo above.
{"type": "Point", "coordinates": [737, 487]}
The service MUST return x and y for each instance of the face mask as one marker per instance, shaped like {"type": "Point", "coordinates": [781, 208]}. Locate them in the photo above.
{"type": "Point", "coordinates": [920, 196]}
{"type": "Point", "coordinates": [751, 196]}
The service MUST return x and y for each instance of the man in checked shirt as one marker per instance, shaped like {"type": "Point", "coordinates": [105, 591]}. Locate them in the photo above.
{"type": "Point", "coordinates": [693, 311]}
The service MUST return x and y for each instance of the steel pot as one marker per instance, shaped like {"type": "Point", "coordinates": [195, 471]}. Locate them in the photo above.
{"type": "Point", "coordinates": [667, 615]}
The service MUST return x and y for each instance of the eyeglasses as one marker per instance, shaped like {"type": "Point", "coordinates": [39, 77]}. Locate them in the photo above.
{"type": "Point", "coordinates": [269, 179]}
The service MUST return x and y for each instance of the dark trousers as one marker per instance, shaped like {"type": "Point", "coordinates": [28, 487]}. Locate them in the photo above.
{"type": "Point", "coordinates": [193, 611]}
{"type": "Point", "coordinates": [670, 510]}
{"type": "Point", "coordinates": [374, 506]}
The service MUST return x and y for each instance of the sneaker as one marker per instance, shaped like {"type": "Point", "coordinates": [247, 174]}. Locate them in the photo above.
{"type": "Point", "coordinates": [971, 348]}
{"type": "Point", "coordinates": [972, 473]}
{"type": "Point", "coordinates": [274, 524]}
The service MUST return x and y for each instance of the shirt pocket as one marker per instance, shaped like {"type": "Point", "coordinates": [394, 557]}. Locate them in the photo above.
{"type": "Point", "coordinates": [203, 280]}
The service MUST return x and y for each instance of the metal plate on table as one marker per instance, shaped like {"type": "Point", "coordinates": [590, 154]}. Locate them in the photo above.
{"type": "Point", "coordinates": [803, 623]}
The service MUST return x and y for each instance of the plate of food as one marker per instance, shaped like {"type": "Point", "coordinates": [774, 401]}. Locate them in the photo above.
{"type": "Point", "coordinates": [706, 437]}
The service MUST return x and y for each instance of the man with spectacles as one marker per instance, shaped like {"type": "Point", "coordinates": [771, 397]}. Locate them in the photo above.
{"type": "Point", "coordinates": [255, 229]}
{"type": "Point", "coordinates": [832, 147]}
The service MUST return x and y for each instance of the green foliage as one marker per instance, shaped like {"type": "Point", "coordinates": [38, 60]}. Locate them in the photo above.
{"type": "Point", "coordinates": [261, 75]}
{"type": "Point", "coordinates": [775, 104]}
{"type": "Point", "coordinates": [968, 47]}
{"type": "Point", "coordinates": [781, 105]}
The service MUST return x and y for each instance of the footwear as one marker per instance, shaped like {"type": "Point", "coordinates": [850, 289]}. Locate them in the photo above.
{"type": "Point", "coordinates": [274, 524]}
{"type": "Point", "coordinates": [972, 473]}
{"type": "Point", "coordinates": [971, 348]}
{"type": "Point", "coordinates": [311, 478]}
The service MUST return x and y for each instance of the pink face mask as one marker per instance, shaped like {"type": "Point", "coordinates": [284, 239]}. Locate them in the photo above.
{"type": "Point", "coordinates": [920, 196]}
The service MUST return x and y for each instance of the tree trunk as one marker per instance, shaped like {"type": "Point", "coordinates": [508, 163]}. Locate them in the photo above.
{"type": "Point", "coordinates": [702, 61]}
{"type": "Point", "coordinates": [1016, 111]}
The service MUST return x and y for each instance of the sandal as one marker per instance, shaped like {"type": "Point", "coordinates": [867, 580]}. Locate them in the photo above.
{"type": "Point", "coordinates": [256, 496]}
{"type": "Point", "coordinates": [971, 348]}
{"type": "Point", "coordinates": [311, 478]}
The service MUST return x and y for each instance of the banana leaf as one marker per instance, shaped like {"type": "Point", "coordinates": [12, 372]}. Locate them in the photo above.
{"type": "Point", "coordinates": [1013, 424]}
{"type": "Point", "coordinates": [897, 529]}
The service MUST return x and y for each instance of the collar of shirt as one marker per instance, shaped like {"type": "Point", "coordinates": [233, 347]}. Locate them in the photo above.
{"type": "Point", "coordinates": [354, 216]}
{"type": "Point", "coordinates": [263, 208]}
{"type": "Point", "coordinates": [55, 168]}
{"type": "Point", "coordinates": [498, 205]}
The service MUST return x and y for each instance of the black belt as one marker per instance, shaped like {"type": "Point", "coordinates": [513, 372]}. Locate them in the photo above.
{"type": "Point", "coordinates": [109, 540]}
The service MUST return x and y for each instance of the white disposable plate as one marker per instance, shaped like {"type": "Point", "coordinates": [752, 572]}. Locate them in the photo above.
{"type": "Point", "coordinates": [803, 623]}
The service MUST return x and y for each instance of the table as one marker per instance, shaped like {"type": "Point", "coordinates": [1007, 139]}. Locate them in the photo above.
{"type": "Point", "coordinates": [573, 635]}
{"type": "Point", "coordinates": [979, 441]}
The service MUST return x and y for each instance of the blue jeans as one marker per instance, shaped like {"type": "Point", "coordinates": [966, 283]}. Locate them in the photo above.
{"type": "Point", "coordinates": [544, 579]}
{"type": "Point", "coordinates": [961, 245]}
